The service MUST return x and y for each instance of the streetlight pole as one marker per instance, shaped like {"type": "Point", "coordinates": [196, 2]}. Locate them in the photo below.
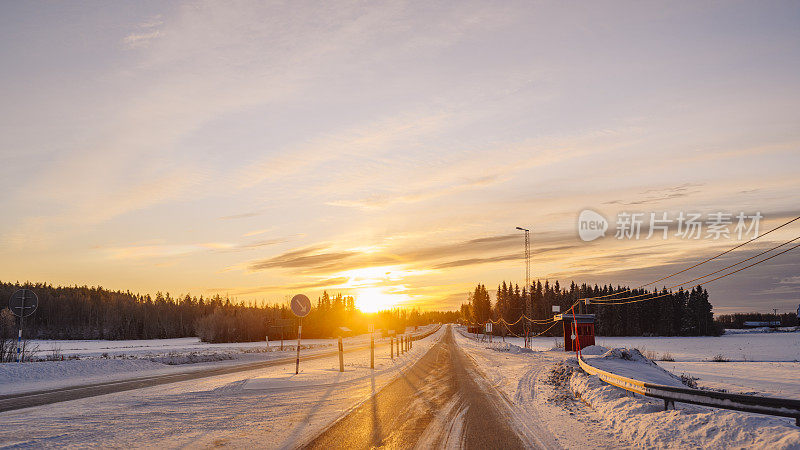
{"type": "Point", "coordinates": [527, 282]}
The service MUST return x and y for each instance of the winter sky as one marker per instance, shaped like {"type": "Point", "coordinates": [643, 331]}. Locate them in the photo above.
{"type": "Point", "coordinates": [389, 149]}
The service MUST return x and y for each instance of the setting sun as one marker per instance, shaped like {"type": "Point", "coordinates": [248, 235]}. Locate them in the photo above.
{"type": "Point", "coordinates": [374, 300]}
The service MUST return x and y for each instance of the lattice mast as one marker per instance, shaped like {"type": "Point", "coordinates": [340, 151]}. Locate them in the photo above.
{"type": "Point", "coordinates": [527, 289]}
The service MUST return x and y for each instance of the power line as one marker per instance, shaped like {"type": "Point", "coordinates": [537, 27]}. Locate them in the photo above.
{"type": "Point", "coordinates": [704, 276]}
{"type": "Point", "coordinates": [707, 282]}
{"type": "Point", "coordinates": [698, 264]}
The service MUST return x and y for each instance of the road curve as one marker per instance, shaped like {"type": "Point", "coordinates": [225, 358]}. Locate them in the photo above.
{"type": "Point", "coordinates": [437, 403]}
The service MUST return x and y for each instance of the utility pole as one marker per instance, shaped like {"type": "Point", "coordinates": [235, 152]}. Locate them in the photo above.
{"type": "Point", "coordinates": [527, 289]}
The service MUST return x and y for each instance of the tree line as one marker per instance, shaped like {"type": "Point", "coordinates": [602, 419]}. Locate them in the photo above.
{"type": "Point", "coordinates": [678, 313]}
{"type": "Point", "coordinates": [82, 312]}
{"type": "Point", "coordinates": [737, 320]}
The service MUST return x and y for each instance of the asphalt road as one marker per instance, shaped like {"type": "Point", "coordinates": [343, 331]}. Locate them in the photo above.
{"type": "Point", "coordinates": [440, 402]}
{"type": "Point", "coordinates": [11, 402]}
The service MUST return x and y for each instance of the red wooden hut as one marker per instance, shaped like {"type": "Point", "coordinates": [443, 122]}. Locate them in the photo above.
{"type": "Point", "coordinates": [585, 335]}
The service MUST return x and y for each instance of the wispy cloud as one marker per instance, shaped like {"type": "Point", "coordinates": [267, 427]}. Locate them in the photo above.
{"type": "Point", "coordinates": [322, 260]}
{"type": "Point", "coordinates": [138, 40]}
{"type": "Point", "coordinates": [263, 290]}
{"type": "Point", "coordinates": [146, 33]}
{"type": "Point", "coordinates": [659, 195]}
{"type": "Point", "coordinates": [147, 251]}
{"type": "Point", "coordinates": [378, 201]}
{"type": "Point", "coordinates": [245, 215]}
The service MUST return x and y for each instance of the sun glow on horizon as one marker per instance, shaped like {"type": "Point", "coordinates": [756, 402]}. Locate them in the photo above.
{"type": "Point", "coordinates": [372, 300]}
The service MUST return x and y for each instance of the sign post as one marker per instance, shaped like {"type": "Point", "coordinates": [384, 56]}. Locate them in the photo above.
{"type": "Point", "coordinates": [23, 303]}
{"type": "Point", "coordinates": [301, 306]}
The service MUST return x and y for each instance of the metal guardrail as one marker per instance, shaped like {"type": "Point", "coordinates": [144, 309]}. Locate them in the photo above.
{"type": "Point", "coordinates": [750, 403]}
{"type": "Point", "coordinates": [423, 335]}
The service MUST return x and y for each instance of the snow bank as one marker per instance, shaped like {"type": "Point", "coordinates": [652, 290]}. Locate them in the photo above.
{"type": "Point", "coordinates": [191, 358]}
{"type": "Point", "coordinates": [644, 422]}
{"type": "Point", "coordinates": [20, 373]}
{"type": "Point", "coordinates": [593, 350]}
{"type": "Point", "coordinates": [632, 364]}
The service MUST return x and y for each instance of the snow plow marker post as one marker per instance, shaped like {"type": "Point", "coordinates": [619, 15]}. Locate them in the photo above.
{"type": "Point", "coordinates": [749, 403]}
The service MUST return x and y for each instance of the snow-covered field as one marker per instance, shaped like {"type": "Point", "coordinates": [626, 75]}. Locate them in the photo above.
{"type": "Point", "coordinates": [264, 408]}
{"type": "Point", "coordinates": [755, 361]}
{"type": "Point", "coordinates": [548, 389]}
{"type": "Point", "coordinates": [102, 361]}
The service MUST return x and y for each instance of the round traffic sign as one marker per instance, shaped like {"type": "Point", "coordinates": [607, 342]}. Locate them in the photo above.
{"type": "Point", "coordinates": [301, 305]}
{"type": "Point", "coordinates": [23, 302]}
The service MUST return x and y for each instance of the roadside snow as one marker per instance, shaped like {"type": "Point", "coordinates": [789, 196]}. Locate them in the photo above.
{"type": "Point", "coordinates": [776, 379]}
{"type": "Point", "coordinates": [550, 390]}
{"type": "Point", "coordinates": [740, 361]}
{"type": "Point", "coordinates": [630, 363]}
{"type": "Point", "coordinates": [644, 422]}
{"type": "Point", "coordinates": [594, 350]}
{"type": "Point", "coordinates": [105, 361]}
{"type": "Point", "coordinates": [213, 411]}
{"type": "Point", "coordinates": [523, 378]}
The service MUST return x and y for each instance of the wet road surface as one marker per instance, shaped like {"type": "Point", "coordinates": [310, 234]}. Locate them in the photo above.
{"type": "Point", "coordinates": [440, 402]}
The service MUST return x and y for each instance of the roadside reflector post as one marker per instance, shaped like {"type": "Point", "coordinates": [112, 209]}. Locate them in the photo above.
{"type": "Point", "coordinates": [267, 342]}
{"type": "Point", "coordinates": [341, 356]}
{"type": "Point", "coordinates": [391, 347]}
{"type": "Point", "coordinates": [371, 329]}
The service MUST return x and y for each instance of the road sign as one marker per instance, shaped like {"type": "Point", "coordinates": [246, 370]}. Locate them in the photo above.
{"type": "Point", "coordinates": [556, 308]}
{"type": "Point", "coordinates": [301, 305]}
{"type": "Point", "coordinates": [23, 302]}
{"type": "Point", "coordinates": [370, 328]}
{"type": "Point", "coordinates": [489, 327]}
